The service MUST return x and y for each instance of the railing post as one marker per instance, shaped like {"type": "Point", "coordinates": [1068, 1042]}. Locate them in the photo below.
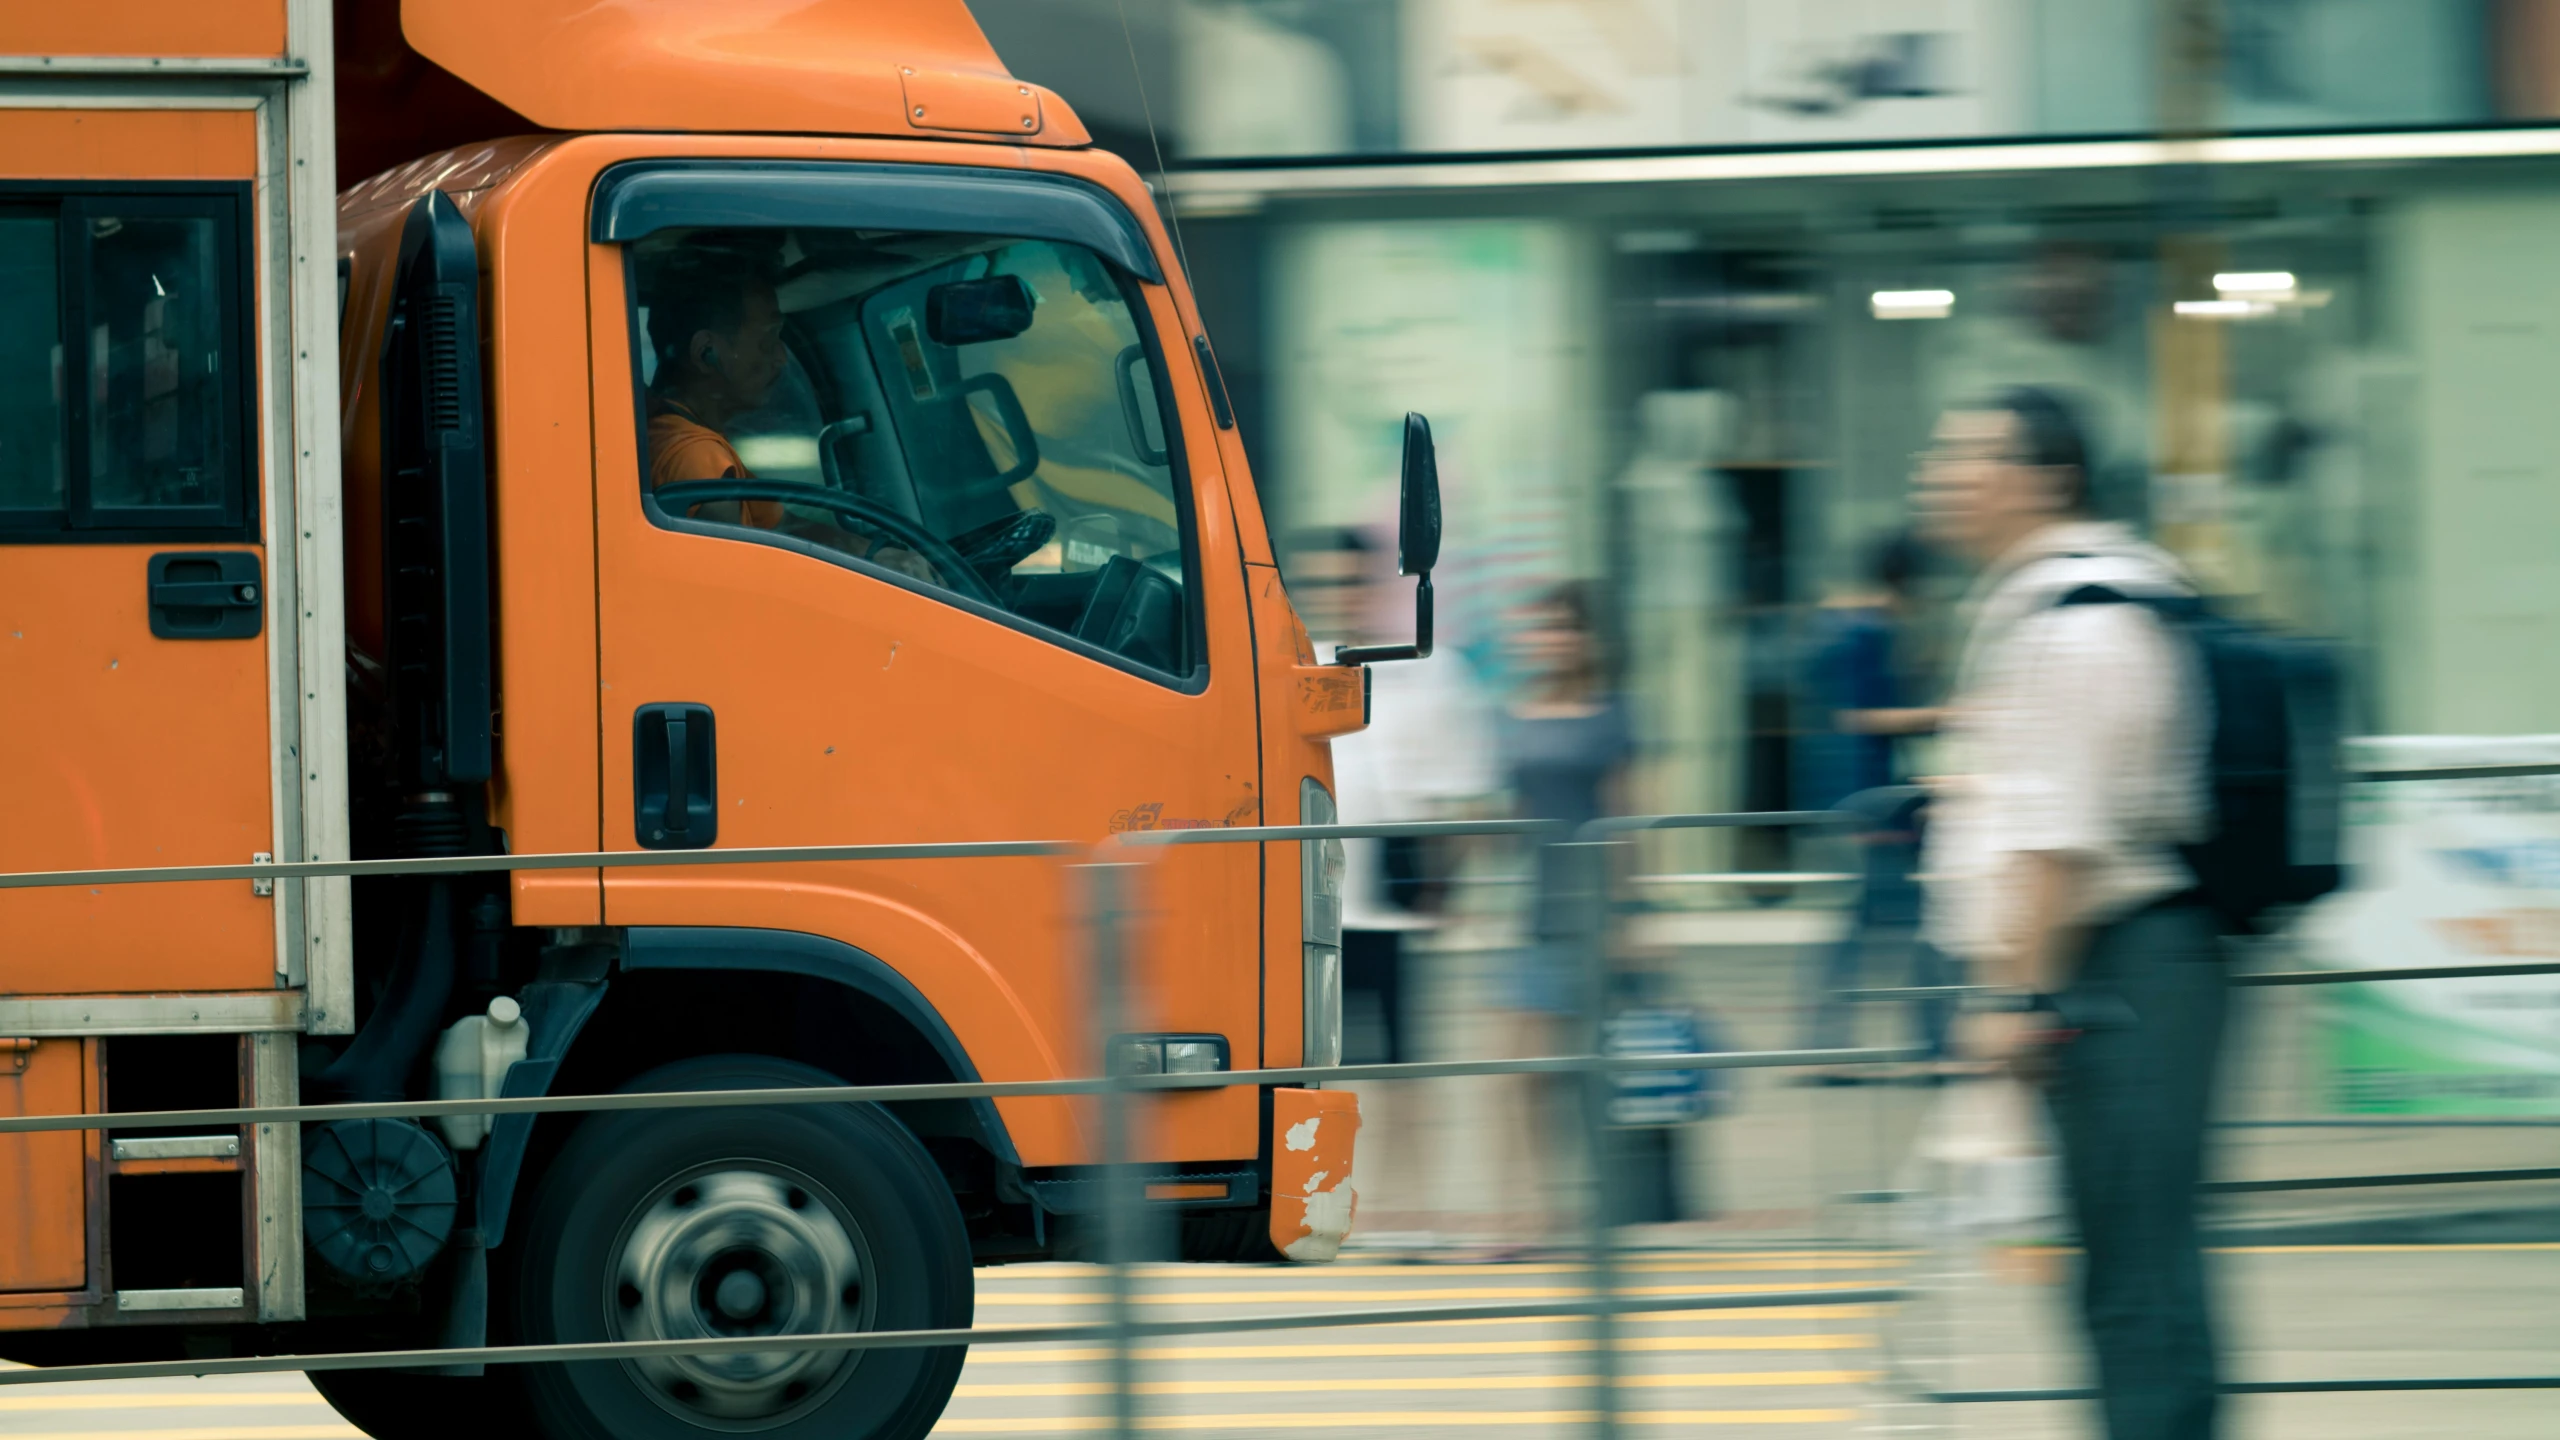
{"type": "Point", "coordinates": [1587, 874]}
{"type": "Point", "coordinates": [1107, 887]}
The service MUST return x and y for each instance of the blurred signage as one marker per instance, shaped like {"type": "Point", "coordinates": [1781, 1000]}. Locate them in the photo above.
{"type": "Point", "coordinates": [1582, 74]}
{"type": "Point", "coordinates": [2447, 872]}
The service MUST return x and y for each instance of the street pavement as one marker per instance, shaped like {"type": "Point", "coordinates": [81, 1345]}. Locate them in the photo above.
{"type": "Point", "coordinates": [1814, 1370]}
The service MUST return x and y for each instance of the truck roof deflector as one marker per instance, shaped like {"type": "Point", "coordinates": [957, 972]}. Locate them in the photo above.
{"type": "Point", "coordinates": [643, 198]}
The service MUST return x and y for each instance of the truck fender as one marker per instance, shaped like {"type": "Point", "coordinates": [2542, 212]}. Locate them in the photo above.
{"type": "Point", "coordinates": [793, 952]}
{"type": "Point", "coordinates": [555, 1011]}
{"type": "Point", "coordinates": [558, 1010]}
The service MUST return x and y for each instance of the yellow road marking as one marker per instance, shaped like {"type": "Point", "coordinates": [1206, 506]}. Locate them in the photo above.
{"type": "Point", "coordinates": [1358, 1419]}
{"type": "Point", "coordinates": [1442, 1382]}
{"type": "Point", "coordinates": [1627, 1259]}
{"type": "Point", "coordinates": [1770, 1260]}
{"type": "Point", "coordinates": [2480, 1248]}
{"type": "Point", "coordinates": [340, 1431]}
{"type": "Point", "coordinates": [160, 1400]}
{"type": "Point", "coordinates": [1452, 1292]}
{"type": "Point", "coordinates": [1754, 1312]}
{"type": "Point", "coordinates": [1012, 1355]}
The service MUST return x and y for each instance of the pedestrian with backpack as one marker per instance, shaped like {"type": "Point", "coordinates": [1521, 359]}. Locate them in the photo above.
{"type": "Point", "coordinates": [2079, 749]}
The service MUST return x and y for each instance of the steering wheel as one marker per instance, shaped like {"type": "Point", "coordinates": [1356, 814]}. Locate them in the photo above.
{"type": "Point", "coordinates": [956, 573]}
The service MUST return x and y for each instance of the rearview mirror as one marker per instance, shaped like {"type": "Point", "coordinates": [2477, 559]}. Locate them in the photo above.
{"type": "Point", "coordinates": [1418, 527]}
{"type": "Point", "coordinates": [1417, 544]}
{"type": "Point", "coordinates": [972, 312]}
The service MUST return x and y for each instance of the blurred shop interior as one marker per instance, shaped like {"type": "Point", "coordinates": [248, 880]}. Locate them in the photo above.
{"type": "Point", "coordinates": [1683, 284]}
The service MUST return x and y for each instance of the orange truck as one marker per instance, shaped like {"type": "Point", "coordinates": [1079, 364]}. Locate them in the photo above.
{"type": "Point", "coordinates": [514, 427]}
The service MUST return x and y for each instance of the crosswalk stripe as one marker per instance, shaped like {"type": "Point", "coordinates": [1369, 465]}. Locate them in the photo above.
{"type": "Point", "coordinates": [1747, 1378]}
{"type": "Point", "coordinates": [1011, 1355]}
{"type": "Point", "coordinates": [1452, 1292]}
{"type": "Point", "coordinates": [1399, 1419]}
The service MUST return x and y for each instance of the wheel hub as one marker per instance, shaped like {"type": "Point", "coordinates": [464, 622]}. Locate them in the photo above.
{"type": "Point", "coordinates": [737, 1249]}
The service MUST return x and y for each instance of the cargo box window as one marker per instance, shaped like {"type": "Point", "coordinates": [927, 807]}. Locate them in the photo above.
{"type": "Point", "coordinates": [123, 367]}
{"type": "Point", "coordinates": [983, 417]}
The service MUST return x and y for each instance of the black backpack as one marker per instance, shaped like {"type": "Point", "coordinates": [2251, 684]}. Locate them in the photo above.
{"type": "Point", "coordinates": [2273, 764]}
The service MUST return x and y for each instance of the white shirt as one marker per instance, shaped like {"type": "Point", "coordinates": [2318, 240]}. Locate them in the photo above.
{"type": "Point", "coordinates": [2074, 729]}
{"type": "Point", "coordinates": [1429, 745]}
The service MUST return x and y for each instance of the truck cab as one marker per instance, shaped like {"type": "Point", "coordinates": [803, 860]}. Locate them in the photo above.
{"type": "Point", "coordinates": [756, 425]}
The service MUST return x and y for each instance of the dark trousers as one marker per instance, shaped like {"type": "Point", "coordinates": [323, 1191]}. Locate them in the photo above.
{"type": "Point", "coordinates": [1887, 919]}
{"type": "Point", "coordinates": [2129, 1098]}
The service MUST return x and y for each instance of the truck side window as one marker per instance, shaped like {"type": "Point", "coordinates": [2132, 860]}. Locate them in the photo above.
{"type": "Point", "coordinates": [984, 416]}
{"type": "Point", "coordinates": [136, 427]}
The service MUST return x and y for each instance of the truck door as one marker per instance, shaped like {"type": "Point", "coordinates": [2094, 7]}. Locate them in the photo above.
{"type": "Point", "coordinates": [133, 650]}
{"type": "Point", "coordinates": [902, 539]}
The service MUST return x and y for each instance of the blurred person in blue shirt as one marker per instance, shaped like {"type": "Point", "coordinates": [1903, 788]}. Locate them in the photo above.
{"type": "Point", "coordinates": [1857, 689]}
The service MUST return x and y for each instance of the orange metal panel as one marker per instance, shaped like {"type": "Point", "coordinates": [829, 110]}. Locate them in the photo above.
{"type": "Point", "coordinates": [44, 1209]}
{"type": "Point", "coordinates": [788, 66]}
{"type": "Point", "coordinates": [128, 144]}
{"type": "Point", "coordinates": [128, 750]}
{"type": "Point", "coordinates": [543, 524]}
{"type": "Point", "coordinates": [957, 100]}
{"type": "Point", "coordinates": [1313, 1136]}
{"type": "Point", "coordinates": [225, 28]}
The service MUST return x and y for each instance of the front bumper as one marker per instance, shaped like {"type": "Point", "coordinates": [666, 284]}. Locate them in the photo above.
{"type": "Point", "coordinates": [1313, 1135]}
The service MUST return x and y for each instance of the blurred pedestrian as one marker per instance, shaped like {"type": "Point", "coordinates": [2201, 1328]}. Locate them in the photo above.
{"type": "Point", "coordinates": [2075, 746]}
{"type": "Point", "coordinates": [1427, 754]}
{"type": "Point", "coordinates": [1565, 742]}
{"type": "Point", "coordinates": [1858, 695]}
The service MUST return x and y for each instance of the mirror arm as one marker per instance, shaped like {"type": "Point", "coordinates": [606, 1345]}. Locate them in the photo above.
{"type": "Point", "coordinates": [1420, 649]}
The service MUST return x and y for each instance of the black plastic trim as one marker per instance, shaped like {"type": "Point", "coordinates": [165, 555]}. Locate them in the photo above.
{"type": "Point", "coordinates": [641, 197]}
{"type": "Point", "coordinates": [438, 618]}
{"type": "Point", "coordinates": [1085, 1190]}
{"type": "Point", "coordinates": [794, 952]}
{"type": "Point", "coordinates": [1216, 379]}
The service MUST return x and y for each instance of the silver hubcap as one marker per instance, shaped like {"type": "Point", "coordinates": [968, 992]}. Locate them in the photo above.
{"type": "Point", "coordinates": [739, 1249]}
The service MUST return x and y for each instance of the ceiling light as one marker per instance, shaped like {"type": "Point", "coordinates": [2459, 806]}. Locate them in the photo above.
{"type": "Point", "coordinates": [2221, 309]}
{"type": "Point", "coordinates": [1912, 304]}
{"type": "Point", "coordinates": [2255, 282]}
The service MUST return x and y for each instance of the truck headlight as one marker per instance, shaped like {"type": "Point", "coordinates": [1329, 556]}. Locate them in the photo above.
{"type": "Point", "coordinates": [1320, 865]}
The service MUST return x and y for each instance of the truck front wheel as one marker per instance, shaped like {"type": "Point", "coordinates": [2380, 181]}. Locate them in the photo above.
{"type": "Point", "coordinates": [779, 1221]}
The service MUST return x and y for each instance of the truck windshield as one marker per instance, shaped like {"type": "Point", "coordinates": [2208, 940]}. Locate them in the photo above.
{"type": "Point", "coordinates": [983, 416]}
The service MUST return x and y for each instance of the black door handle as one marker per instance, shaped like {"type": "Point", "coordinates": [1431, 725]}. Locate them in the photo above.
{"type": "Point", "coordinates": [675, 794]}
{"type": "Point", "coordinates": [206, 595]}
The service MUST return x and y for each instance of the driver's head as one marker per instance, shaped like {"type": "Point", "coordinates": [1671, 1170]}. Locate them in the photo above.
{"type": "Point", "coordinates": [716, 328]}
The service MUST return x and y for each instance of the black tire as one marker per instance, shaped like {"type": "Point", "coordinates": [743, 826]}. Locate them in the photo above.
{"type": "Point", "coordinates": [641, 1226]}
{"type": "Point", "coordinates": [392, 1405]}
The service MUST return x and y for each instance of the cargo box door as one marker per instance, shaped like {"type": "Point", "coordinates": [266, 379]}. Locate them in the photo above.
{"type": "Point", "coordinates": [133, 649]}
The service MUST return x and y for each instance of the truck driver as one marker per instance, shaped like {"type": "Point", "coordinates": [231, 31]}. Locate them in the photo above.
{"type": "Point", "coordinates": [716, 327]}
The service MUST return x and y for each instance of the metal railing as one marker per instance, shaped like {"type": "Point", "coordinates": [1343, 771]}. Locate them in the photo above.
{"type": "Point", "coordinates": [1108, 878]}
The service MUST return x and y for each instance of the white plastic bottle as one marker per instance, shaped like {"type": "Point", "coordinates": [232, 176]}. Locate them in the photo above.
{"type": "Point", "coordinates": [471, 1063]}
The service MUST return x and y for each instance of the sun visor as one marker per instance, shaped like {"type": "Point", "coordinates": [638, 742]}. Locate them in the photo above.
{"type": "Point", "coordinates": [643, 197]}
{"type": "Point", "coordinates": [828, 67]}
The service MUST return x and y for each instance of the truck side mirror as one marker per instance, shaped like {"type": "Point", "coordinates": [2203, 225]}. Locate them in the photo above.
{"type": "Point", "coordinates": [1418, 528]}
{"type": "Point", "coordinates": [1417, 544]}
